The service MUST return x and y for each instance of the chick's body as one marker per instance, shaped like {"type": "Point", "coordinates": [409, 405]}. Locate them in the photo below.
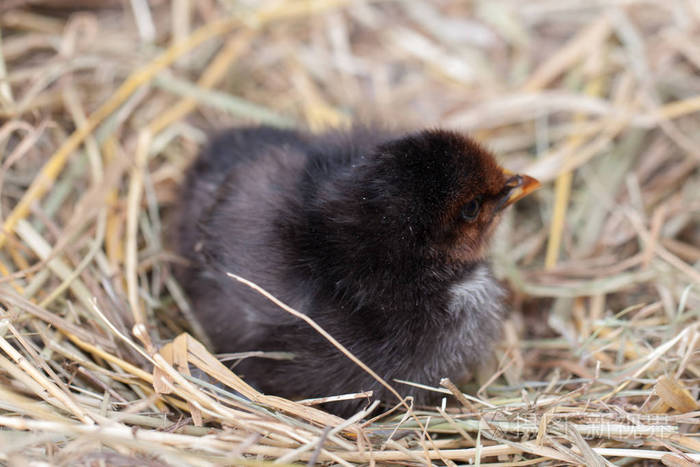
{"type": "Point", "coordinates": [365, 232]}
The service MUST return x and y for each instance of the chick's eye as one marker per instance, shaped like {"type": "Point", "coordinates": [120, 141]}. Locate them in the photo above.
{"type": "Point", "coordinates": [471, 210]}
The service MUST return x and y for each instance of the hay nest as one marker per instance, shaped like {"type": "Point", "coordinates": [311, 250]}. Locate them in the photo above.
{"type": "Point", "coordinates": [104, 103]}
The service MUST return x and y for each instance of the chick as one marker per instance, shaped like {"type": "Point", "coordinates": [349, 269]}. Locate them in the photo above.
{"type": "Point", "coordinates": [377, 236]}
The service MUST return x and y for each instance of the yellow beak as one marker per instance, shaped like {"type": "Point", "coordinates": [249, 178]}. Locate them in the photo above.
{"type": "Point", "coordinates": [520, 186]}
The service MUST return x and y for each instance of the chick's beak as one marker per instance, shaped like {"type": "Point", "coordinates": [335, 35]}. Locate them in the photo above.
{"type": "Point", "coordinates": [517, 187]}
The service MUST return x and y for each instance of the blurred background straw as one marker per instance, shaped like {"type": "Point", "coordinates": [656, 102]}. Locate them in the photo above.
{"type": "Point", "coordinates": [104, 103]}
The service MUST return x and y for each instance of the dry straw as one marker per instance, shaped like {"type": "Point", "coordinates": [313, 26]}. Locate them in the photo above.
{"type": "Point", "coordinates": [103, 104]}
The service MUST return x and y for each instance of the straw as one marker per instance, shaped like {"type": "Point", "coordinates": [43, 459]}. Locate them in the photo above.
{"type": "Point", "coordinates": [103, 106]}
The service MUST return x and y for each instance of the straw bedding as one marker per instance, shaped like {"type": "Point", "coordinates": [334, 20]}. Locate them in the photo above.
{"type": "Point", "coordinates": [104, 104]}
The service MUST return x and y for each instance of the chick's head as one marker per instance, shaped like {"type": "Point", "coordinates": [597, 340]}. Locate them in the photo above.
{"type": "Point", "coordinates": [439, 193]}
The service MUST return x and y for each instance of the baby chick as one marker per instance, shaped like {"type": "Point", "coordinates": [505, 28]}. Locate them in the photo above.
{"type": "Point", "coordinates": [377, 236]}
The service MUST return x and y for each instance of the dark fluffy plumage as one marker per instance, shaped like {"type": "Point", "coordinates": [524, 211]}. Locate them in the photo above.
{"type": "Point", "coordinates": [365, 232]}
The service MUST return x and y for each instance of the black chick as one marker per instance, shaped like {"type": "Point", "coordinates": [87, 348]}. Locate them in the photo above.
{"type": "Point", "coordinates": [378, 237]}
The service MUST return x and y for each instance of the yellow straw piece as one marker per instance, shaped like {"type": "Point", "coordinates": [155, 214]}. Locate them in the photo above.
{"type": "Point", "coordinates": [562, 188]}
